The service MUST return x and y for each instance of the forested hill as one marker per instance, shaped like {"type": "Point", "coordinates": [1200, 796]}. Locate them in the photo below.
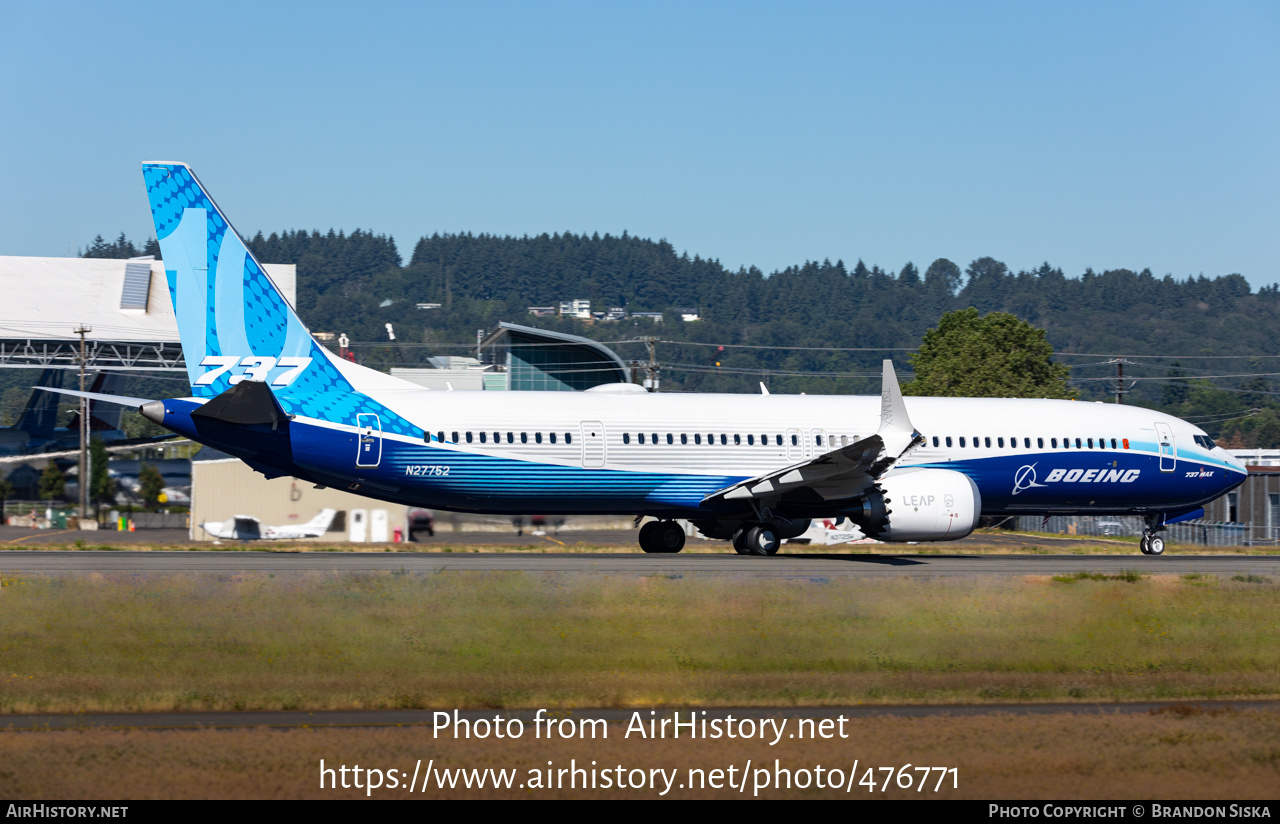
{"type": "Point", "coordinates": [357, 282]}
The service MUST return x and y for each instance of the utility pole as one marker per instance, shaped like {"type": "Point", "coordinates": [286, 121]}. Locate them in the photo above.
{"type": "Point", "coordinates": [1121, 389]}
{"type": "Point", "coordinates": [652, 369]}
{"type": "Point", "coordinates": [84, 428]}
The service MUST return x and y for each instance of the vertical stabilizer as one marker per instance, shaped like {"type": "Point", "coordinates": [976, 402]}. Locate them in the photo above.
{"type": "Point", "coordinates": [234, 323]}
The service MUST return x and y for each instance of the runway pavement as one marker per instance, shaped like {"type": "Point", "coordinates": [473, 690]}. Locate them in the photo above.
{"type": "Point", "coordinates": [808, 564]}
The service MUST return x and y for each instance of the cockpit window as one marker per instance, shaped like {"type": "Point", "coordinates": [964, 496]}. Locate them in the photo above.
{"type": "Point", "coordinates": [1205, 441]}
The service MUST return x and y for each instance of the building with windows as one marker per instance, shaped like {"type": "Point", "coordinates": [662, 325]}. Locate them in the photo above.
{"type": "Point", "coordinates": [1254, 506]}
{"type": "Point", "coordinates": [538, 359]}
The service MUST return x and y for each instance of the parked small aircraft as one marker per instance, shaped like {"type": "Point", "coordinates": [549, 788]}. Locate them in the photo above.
{"type": "Point", "coordinates": [831, 531]}
{"type": "Point", "coordinates": [248, 528]}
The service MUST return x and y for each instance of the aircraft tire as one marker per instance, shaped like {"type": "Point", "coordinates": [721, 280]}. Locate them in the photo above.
{"type": "Point", "coordinates": [1142, 544]}
{"type": "Point", "coordinates": [648, 536]}
{"type": "Point", "coordinates": [740, 542]}
{"type": "Point", "coordinates": [761, 540]}
{"type": "Point", "coordinates": [669, 538]}
{"type": "Point", "coordinates": [1155, 545]}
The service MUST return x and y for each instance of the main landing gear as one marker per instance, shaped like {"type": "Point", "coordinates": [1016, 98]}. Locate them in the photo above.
{"type": "Point", "coordinates": [1152, 543]}
{"type": "Point", "coordinates": [756, 540]}
{"type": "Point", "coordinates": [661, 537]}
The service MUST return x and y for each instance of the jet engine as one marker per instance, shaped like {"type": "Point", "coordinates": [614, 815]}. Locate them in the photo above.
{"type": "Point", "coordinates": [919, 505]}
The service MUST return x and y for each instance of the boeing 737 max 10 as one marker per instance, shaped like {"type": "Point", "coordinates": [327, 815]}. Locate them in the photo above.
{"type": "Point", "coordinates": [751, 469]}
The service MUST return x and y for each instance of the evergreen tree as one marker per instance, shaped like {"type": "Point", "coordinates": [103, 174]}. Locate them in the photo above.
{"type": "Point", "coordinates": [102, 489]}
{"type": "Point", "coordinates": [150, 485]}
{"type": "Point", "coordinates": [1176, 391]}
{"type": "Point", "coordinates": [53, 483]}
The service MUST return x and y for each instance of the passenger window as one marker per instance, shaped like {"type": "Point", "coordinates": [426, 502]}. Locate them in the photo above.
{"type": "Point", "coordinates": [482, 437]}
{"type": "Point", "coordinates": [724, 439]}
{"type": "Point", "coordinates": [1078, 446]}
{"type": "Point", "coordinates": [654, 439]}
{"type": "Point", "coordinates": [553, 437]}
{"type": "Point", "coordinates": [455, 437]}
{"type": "Point", "coordinates": [737, 440]}
{"type": "Point", "coordinates": [537, 437]}
{"type": "Point", "coordinates": [987, 442]}
{"type": "Point", "coordinates": [1039, 443]}
{"type": "Point", "coordinates": [524, 437]}
{"type": "Point", "coordinates": [1000, 442]}
{"type": "Point", "coordinates": [641, 438]}
{"type": "Point", "coordinates": [751, 440]}
{"type": "Point", "coordinates": [1090, 442]}
{"type": "Point", "coordinates": [626, 438]}
{"type": "Point", "coordinates": [935, 440]}
{"type": "Point", "coordinates": [1113, 443]}
{"type": "Point", "coordinates": [1054, 441]}
{"type": "Point", "coordinates": [779, 440]}
{"type": "Point", "coordinates": [684, 439]}
{"type": "Point", "coordinates": [795, 441]}
{"type": "Point", "coordinates": [670, 440]}
{"type": "Point", "coordinates": [511, 437]}
{"type": "Point", "coordinates": [468, 437]}
{"type": "Point", "coordinates": [948, 440]}
{"type": "Point", "coordinates": [844, 440]}
{"type": "Point", "coordinates": [568, 438]}
{"type": "Point", "coordinates": [697, 438]}
{"type": "Point", "coordinates": [962, 441]}
{"type": "Point", "coordinates": [440, 437]}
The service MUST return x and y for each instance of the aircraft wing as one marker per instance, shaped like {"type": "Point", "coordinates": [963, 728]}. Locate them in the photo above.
{"type": "Point", "coordinates": [842, 473]}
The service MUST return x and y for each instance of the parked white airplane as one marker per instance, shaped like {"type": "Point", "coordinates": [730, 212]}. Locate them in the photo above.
{"type": "Point", "coordinates": [751, 469]}
{"type": "Point", "coordinates": [831, 531]}
{"type": "Point", "coordinates": [248, 528]}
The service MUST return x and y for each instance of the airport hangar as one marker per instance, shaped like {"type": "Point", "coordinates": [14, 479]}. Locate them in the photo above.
{"type": "Point", "coordinates": [125, 306]}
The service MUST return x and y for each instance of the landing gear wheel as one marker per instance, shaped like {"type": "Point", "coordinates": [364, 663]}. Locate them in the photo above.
{"type": "Point", "coordinates": [740, 542]}
{"type": "Point", "coordinates": [669, 538]}
{"type": "Point", "coordinates": [1155, 545]}
{"type": "Point", "coordinates": [663, 537]}
{"type": "Point", "coordinates": [648, 537]}
{"type": "Point", "coordinates": [1144, 544]}
{"type": "Point", "coordinates": [761, 540]}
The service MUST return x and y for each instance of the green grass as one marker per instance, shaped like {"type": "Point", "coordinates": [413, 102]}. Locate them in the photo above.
{"type": "Point", "coordinates": [410, 639]}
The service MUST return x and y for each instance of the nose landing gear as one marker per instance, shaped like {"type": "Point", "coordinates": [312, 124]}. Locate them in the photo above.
{"type": "Point", "coordinates": [1152, 543]}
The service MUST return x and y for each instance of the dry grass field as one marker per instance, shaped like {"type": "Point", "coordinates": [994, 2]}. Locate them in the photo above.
{"type": "Point", "coordinates": [119, 642]}
{"type": "Point", "coordinates": [1167, 756]}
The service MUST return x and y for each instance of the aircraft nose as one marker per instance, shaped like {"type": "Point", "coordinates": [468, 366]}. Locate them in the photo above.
{"type": "Point", "coordinates": [1231, 460]}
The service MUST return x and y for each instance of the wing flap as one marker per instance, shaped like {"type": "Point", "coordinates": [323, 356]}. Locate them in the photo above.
{"type": "Point", "coordinates": [842, 473]}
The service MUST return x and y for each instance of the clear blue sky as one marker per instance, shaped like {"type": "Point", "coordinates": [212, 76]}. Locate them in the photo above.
{"type": "Point", "coordinates": [1102, 134]}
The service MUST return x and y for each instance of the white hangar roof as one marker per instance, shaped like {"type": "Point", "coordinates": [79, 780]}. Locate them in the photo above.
{"type": "Point", "coordinates": [47, 298]}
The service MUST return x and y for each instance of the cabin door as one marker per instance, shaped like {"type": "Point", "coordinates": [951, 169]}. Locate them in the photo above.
{"type": "Point", "coordinates": [369, 439]}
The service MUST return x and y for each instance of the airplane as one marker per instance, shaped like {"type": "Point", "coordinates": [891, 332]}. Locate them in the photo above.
{"type": "Point", "coordinates": [831, 531]}
{"type": "Point", "coordinates": [36, 431]}
{"type": "Point", "coordinates": [248, 528]}
{"type": "Point", "coordinates": [753, 470]}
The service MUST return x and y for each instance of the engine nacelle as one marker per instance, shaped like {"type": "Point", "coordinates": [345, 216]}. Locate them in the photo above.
{"type": "Point", "coordinates": [920, 505]}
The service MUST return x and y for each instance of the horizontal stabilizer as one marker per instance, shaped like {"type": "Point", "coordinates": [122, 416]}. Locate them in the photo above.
{"type": "Point", "coordinates": [122, 400]}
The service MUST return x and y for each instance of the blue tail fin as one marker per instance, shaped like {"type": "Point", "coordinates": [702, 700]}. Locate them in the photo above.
{"type": "Point", "coordinates": [234, 323]}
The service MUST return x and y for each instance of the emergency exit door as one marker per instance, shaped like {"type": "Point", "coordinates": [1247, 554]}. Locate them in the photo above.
{"type": "Point", "coordinates": [593, 453]}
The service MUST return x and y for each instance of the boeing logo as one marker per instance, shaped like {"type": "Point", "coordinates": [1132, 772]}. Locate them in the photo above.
{"type": "Point", "coordinates": [1025, 478]}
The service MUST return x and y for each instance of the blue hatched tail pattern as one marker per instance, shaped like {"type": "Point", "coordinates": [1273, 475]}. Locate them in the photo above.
{"type": "Point", "coordinates": [234, 323]}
